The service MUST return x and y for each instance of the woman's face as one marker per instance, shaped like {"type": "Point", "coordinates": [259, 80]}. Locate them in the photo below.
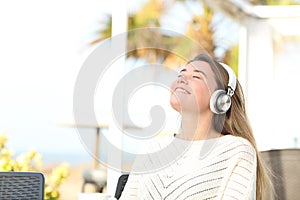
{"type": "Point", "coordinates": [192, 90]}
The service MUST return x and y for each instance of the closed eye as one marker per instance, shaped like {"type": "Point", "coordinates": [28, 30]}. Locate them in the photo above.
{"type": "Point", "coordinates": [197, 77]}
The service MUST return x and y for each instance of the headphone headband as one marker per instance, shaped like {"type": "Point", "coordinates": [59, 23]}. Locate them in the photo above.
{"type": "Point", "coordinates": [232, 79]}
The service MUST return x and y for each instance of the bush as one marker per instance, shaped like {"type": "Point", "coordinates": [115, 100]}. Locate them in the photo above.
{"type": "Point", "coordinates": [31, 161]}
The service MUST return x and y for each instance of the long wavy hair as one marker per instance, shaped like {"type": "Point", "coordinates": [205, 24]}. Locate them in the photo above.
{"type": "Point", "coordinates": [235, 122]}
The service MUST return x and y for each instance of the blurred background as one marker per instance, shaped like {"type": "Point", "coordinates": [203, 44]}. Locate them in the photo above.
{"type": "Point", "coordinates": [43, 46]}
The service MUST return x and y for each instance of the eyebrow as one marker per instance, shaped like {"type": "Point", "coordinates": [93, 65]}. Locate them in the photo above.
{"type": "Point", "coordinates": [199, 71]}
{"type": "Point", "coordinates": [195, 70]}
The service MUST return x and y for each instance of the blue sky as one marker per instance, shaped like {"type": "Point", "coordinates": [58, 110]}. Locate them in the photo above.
{"type": "Point", "coordinates": [42, 46]}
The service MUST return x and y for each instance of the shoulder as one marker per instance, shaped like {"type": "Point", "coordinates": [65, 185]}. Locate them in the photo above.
{"type": "Point", "coordinates": [230, 141]}
{"type": "Point", "coordinates": [237, 147]}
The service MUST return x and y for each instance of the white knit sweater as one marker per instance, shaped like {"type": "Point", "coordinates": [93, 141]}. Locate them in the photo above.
{"type": "Point", "coordinates": [221, 168]}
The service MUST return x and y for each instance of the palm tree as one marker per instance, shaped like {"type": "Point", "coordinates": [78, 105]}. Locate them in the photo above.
{"type": "Point", "coordinates": [199, 29]}
{"type": "Point", "coordinates": [148, 16]}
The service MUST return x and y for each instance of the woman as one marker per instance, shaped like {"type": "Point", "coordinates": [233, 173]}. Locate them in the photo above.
{"type": "Point", "coordinates": [222, 161]}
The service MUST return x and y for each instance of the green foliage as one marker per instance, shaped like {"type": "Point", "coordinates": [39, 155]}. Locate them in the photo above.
{"type": "Point", "coordinates": [232, 58]}
{"type": "Point", "coordinates": [199, 29]}
{"type": "Point", "coordinates": [31, 161]}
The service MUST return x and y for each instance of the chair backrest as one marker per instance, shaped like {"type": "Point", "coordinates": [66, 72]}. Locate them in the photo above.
{"type": "Point", "coordinates": [22, 185]}
{"type": "Point", "coordinates": [121, 184]}
{"type": "Point", "coordinates": [285, 164]}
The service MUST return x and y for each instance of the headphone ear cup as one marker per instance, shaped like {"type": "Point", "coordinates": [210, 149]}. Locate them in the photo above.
{"type": "Point", "coordinates": [220, 102]}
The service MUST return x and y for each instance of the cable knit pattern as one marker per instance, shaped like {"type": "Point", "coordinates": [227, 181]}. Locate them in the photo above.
{"type": "Point", "coordinates": [225, 170]}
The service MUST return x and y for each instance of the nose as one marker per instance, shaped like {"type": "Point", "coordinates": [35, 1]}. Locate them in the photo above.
{"type": "Point", "coordinates": [182, 79]}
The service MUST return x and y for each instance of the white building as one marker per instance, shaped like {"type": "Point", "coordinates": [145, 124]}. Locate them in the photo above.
{"type": "Point", "coordinates": [269, 69]}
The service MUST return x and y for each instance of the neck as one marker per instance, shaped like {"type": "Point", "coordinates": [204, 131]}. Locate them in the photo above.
{"type": "Point", "coordinates": [196, 127]}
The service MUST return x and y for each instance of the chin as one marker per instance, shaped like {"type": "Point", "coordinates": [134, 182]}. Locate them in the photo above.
{"type": "Point", "coordinates": [174, 102]}
{"type": "Point", "coordinates": [175, 106]}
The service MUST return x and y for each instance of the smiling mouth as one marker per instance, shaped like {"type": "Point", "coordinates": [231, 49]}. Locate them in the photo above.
{"type": "Point", "coordinates": [182, 90]}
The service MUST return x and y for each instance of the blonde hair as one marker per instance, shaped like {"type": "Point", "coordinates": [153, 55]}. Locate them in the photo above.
{"type": "Point", "coordinates": [235, 122]}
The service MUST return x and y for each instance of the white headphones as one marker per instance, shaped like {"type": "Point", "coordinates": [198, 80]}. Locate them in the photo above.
{"type": "Point", "coordinates": [220, 100]}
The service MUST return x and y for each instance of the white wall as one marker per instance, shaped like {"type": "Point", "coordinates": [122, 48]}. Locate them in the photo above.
{"type": "Point", "coordinates": [268, 85]}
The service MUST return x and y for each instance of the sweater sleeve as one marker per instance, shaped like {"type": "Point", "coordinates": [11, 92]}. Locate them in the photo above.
{"type": "Point", "coordinates": [241, 183]}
